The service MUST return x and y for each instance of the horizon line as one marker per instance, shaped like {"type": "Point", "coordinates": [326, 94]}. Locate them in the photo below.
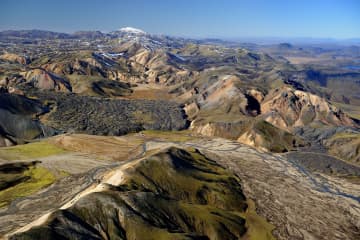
{"type": "Point", "coordinates": [219, 37]}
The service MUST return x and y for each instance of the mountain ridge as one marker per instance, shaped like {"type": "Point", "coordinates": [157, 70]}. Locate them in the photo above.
{"type": "Point", "coordinates": [129, 135]}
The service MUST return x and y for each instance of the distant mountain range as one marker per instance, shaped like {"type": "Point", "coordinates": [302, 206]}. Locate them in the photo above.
{"type": "Point", "coordinates": [44, 34]}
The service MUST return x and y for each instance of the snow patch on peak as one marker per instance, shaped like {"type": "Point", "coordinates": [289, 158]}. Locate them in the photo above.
{"type": "Point", "coordinates": [132, 30]}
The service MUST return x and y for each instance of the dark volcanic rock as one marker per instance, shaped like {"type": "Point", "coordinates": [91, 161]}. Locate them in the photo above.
{"type": "Point", "coordinates": [17, 104]}
{"type": "Point", "coordinates": [318, 162]}
{"type": "Point", "coordinates": [100, 116]}
{"type": "Point", "coordinates": [17, 118]}
{"type": "Point", "coordinates": [19, 115]}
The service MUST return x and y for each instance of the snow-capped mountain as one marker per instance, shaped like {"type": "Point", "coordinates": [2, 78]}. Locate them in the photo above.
{"type": "Point", "coordinates": [148, 41]}
{"type": "Point", "coordinates": [130, 34]}
{"type": "Point", "coordinates": [132, 30]}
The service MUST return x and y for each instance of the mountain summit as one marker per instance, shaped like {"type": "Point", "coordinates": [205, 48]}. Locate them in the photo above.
{"type": "Point", "coordinates": [132, 30]}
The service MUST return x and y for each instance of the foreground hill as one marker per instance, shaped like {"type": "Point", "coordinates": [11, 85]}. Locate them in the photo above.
{"type": "Point", "coordinates": [156, 184]}
{"type": "Point", "coordinates": [153, 205]}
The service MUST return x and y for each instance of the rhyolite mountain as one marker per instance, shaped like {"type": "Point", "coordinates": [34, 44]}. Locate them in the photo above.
{"type": "Point", "coordinates": [102, 114]}
{"type": "Point", "coordinates": [222, 90]}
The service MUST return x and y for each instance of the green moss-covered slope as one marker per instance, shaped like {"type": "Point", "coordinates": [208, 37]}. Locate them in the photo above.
{"type": "Point", "coordinates": [175, 194]}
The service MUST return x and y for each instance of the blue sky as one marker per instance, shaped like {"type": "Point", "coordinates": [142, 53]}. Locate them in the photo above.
{"type": "Point", "coordinates": [191, 18]}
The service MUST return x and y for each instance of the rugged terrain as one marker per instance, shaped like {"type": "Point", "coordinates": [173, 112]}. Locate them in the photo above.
{"type": "Point", "coordinates": [276, 184]}
{"type": "Point", "coordinates": [91, 147]}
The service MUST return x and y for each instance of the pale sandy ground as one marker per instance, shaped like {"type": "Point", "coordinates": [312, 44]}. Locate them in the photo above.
{"type": "Point", "coordinates": [87, 160]}
{"type": "Point", "coordinates": [114, 177]}
{"type": "Point", "coordinates": [150, 91]}
{"type": "Point", "coordinates": [291, 198]}
{"type": "Point", "coordinates": [302, 60]}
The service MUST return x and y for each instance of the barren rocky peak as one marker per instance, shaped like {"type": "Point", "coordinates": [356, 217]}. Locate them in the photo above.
{"type": "Point", "coordinates": [287, 108]}
{"type": "Point", "coordinates": [45, 80]}
{"type": "Point", "coordinates": [225, 93]}
{"type": "Point", "coordinates": [82, 65]}
{"type": "Point", "coordinates": [149, 58]}
{"type": "Point", "coordinates": [15, 58]}
{"type": "Point", "coordinates": [257, 119]}
{"type": "Point", "coordinates": [221, 92]}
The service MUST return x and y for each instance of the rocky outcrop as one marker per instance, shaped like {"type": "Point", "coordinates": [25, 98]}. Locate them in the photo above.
{"type": "Point", "coordinates": [267, 137]}
{"type": "Point", "coordinates": [44, 80]}
{"type": "Point", "coordinates": [229, 130]}
{"type": "Point", "coordinates": [288, 108]}
{"type": "Point", "coordinates": [17, 123]}
{"type": "Point", "coordinates": [87, 66]}
{"type": "Point", "coordinates": [15, 58]}
{"type": "Point", "coordinates": [254, 132]}
{"type": "Point", "coordinates": [345, 145]}
{"type": "Point", "coordinates": [224, 95]}
{"type": "Point", "coordinates": [5, 141]}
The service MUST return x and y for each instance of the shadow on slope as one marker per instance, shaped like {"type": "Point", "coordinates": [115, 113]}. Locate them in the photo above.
{"type": "Point", "coordinates": [175, 194]}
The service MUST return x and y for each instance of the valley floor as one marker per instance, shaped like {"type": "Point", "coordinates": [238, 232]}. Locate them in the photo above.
{"type": "Point", "coordinates": [299, 203]}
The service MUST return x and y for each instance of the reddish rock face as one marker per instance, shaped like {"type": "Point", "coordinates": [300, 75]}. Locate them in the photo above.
{"type": "Point", "coordinates": [47, 81]}
{"type": "Point", "coordinates": [287, 108]}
